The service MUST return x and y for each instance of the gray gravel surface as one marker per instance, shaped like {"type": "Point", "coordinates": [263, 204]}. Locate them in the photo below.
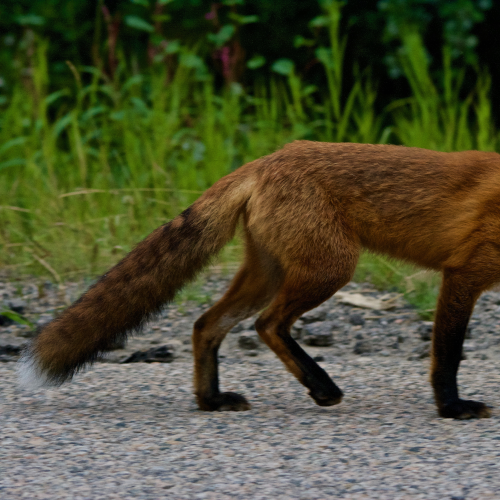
{"type": "Point", "coordinates": [124, 431]}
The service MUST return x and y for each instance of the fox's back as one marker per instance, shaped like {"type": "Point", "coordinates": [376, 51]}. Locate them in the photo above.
{"type": "Point", "coordinates": [395, 199]}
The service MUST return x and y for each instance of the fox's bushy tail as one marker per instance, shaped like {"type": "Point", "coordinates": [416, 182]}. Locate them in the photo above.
{"type": "Point", "coordinates": [136, 288]}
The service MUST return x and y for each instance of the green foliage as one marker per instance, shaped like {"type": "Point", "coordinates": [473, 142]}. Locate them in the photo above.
{"type": "Point", "coordinates": [114, 127]}
{"type": "Point", "coordinates": [424, 297]}
{"type": "Point", "coordinates": [457, 19]}
{"type": "Point", "coordinates": [101, 163]}
{"type": "Point", "coordinates": [420, 288]}
{"type": "Point", "coordinates": [193, 292]}
{"type": "Point", "coordinates": [16, 317]}
{"type": "Point", "coordinates": [138, 23]}
{"type": "Point", "coordinates": [222, 36]}
{"type": "Point", "coordinates": [436, 116]}
{"type": "Point", "coordinates": [138, 32]}
{"type": "Point", "coordinates": [257, 61]}
{"type": "Point", "coordinates": [116, 160]}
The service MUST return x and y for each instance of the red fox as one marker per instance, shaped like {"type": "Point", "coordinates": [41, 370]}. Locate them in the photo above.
{"type": "Point", "coordinates": [307, 210]}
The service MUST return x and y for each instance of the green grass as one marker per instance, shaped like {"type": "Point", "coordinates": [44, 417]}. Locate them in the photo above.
{"type": "Point", "coordinates": [88, 171]}
{"type": "Point", "coordinates": [420, 287]}
{"type": "Point", "coordinates": [442, 115]}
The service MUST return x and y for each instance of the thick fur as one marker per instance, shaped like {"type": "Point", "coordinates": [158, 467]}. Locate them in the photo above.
{"type": "Point", "coordinates": [307, 210]}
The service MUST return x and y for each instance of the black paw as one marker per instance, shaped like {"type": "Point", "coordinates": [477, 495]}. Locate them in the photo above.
{"type": "Point", "coordinates": [465, 409]}
{"type": "Point", "coordinates": [224, 401]}
{"type": "Point", "coordinates": [328, 399]}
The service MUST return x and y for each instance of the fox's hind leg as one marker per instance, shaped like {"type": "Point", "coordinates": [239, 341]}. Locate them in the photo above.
{"type": "Point", "coordinates": [251, 290]}
{"type": "Point", "coordinates": [305, 287]}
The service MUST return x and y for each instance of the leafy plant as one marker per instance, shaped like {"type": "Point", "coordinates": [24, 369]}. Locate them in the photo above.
{"type": "Point", "coordinates": [438, 115]}
{"type": "Point", "coordinates": [18, 318]}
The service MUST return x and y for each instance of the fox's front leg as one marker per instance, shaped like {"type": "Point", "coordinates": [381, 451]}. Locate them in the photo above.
{"type": "Point", "coordinates": [456, 301]}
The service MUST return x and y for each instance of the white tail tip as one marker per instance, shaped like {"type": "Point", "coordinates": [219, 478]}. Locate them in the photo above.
{"type": "Point", "coordinates": [29, 372]}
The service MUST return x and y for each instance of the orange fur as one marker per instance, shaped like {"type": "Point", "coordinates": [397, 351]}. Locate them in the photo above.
{"type": "Point", "coordinates": [307, 211]}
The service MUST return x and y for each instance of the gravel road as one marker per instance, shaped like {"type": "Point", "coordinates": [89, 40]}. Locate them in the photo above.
{"type": "Point", "coordinates": [132, 430]}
